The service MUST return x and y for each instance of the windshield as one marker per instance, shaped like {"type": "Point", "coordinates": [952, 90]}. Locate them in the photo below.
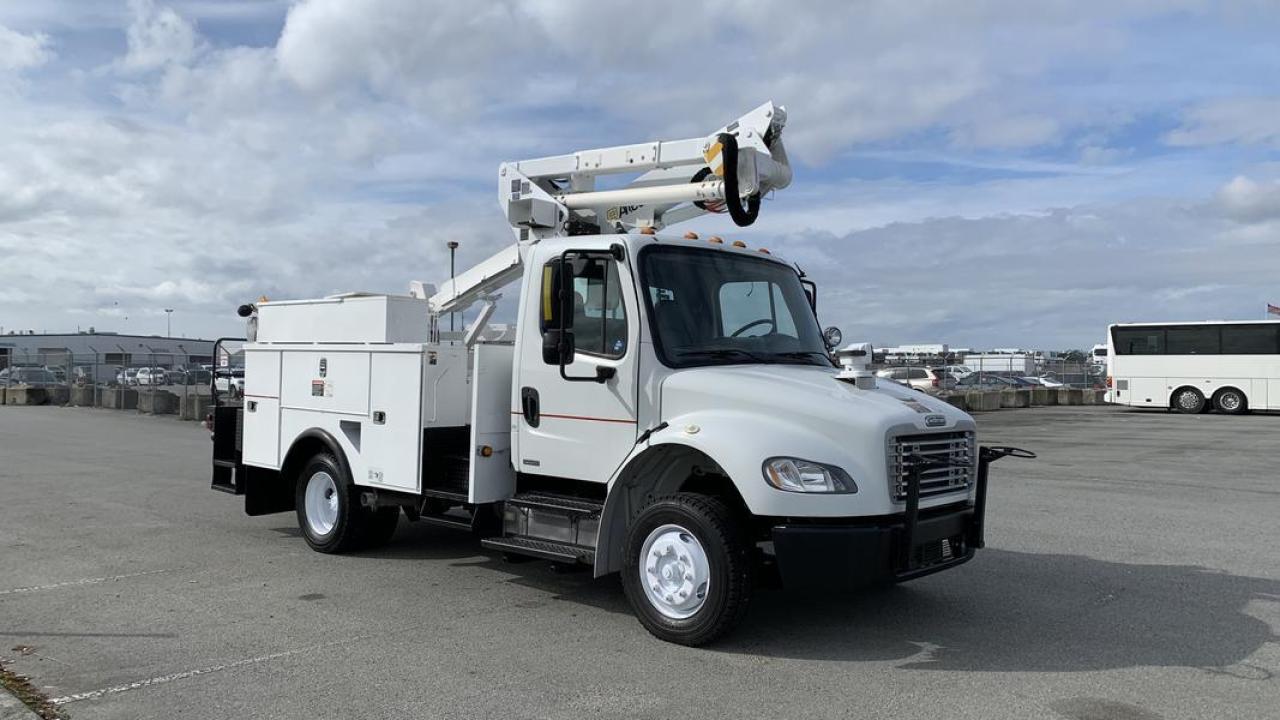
{"type": "Point", "coordinates": [711, 307]}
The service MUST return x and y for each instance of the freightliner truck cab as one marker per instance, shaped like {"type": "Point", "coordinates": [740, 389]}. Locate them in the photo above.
{"type": "Point", "coordinates": [668, 409]}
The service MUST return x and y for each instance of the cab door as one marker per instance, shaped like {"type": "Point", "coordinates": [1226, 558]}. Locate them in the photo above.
{"type": "Point", "coordinates": [578, 428]}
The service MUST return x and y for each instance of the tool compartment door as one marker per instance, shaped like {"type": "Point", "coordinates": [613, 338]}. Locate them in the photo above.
{"type": "Point", "coordinates": [492, 478]}
{"type": "Point", "coordinates": [391, 436]}
{"type": "Point", "coordinates": [261, 438]}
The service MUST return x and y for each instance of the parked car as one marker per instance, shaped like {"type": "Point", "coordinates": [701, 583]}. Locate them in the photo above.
{"type": "Point", "coordinates": [59, 374]}
{"type": "Point", "coordinates": [920, 378]}
{"type": "Point", "coordinates": [36, 377]}
{"type": "Point", "coordinates": [985, 381]}
{"type": "Point", "coordinates": [229, 381]}
{"type": "Point", "coordinates": [127, 376]}
{"type": "Point", "coordinates": [956, 371]}
{"type": "Point", "coordinates": [151, 376]}
{"type": "Point", "coordinates": [175, 377]}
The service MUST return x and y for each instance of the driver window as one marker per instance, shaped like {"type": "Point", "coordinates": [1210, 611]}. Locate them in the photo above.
{"type": "Point", "coordinates": [599, 314]}
{"type": "Point", "coordinates": [758, 306]}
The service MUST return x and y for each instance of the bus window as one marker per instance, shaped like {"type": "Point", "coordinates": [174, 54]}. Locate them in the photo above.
{"type": "Point", "coordinates": [1138, 341]}
{"type": "Point", "coordinates": [1250, 339]}
{"type": "Point", "coordinates": [1192, 340]}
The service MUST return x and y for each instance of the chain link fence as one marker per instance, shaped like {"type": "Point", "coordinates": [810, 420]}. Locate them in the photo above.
{"type": "Point", "coordinates": [160, 383]}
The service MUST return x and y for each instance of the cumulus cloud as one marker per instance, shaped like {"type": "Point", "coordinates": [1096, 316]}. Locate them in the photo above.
{"type": "Point", "coordinates": [158, 37]}
{"type": "Point", "coordinates": [19, 51]}
{"type": "Point", "coordinates": [1249, 201]}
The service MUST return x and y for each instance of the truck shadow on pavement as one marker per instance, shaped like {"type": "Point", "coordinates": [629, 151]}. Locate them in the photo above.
{"type": "Point", "coordinates": [1012, 611]}
{"type": "Point", "coordinates": [1005, 611]}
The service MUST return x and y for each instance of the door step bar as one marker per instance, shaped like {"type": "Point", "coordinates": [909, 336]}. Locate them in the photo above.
{"type": "Point", "coordinates": [560, 504]}
{"type": "Point", "coordinates": [544, 549]}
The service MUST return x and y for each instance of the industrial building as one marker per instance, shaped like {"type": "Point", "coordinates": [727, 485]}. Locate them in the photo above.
{"type": "Point", "coordinates": [101, 354]}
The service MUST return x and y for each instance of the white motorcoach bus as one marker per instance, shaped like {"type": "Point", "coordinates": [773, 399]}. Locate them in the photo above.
{"type": "Point", "coordinates": [1232, 367]}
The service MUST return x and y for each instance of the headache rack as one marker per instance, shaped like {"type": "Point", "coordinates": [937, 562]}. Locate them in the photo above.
{"type": "Point", "coordinates": [951, 462]}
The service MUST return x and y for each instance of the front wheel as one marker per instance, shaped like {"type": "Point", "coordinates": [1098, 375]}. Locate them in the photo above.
{"type": "Point", "coordinates": [687, 571]}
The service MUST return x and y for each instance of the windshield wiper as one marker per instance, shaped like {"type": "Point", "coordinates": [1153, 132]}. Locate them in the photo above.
{"type": "Point", "coordinates": [801, 354]}
{"type": "Point", "coordinates": [719, 353]}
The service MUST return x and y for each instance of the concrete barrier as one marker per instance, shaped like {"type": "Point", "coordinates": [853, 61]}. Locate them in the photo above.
{"type": "Point", "coordinates": [83, 395]}
{"type": "Point", "coordinates": [23, 395]}
{"type": "Point", "coordinates": [977, 400]}
{"type": "Point", "coordinates": [1070, 396]}
{"type": "Point", "coordinates": [117, 398]}
{"type": "Point", "coordinates": [1040, 395]}
{"type": "Point", "coordinates": [1015, 398]}
{"type": "Point", "coordinates": [955, 400]}
{"type": "Point", "coordinates": [58, 395]}
{"type": "Point", "coordinates": [157, 402]}
{"type": "Point", "coordinates": [193, 406]}
{"type": "Point", "coordinates": [4, 390]}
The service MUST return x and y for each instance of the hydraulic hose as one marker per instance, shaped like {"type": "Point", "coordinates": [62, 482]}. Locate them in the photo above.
{"type": "Point", "coordinates": [742, 217]}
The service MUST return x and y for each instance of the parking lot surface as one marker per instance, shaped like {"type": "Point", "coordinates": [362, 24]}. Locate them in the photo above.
{"type": "Point", "coordinates": [1132, 573]}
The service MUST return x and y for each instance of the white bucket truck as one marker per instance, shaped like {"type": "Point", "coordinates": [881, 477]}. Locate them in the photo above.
{"type": "Point", "coordinates": [668, 409]}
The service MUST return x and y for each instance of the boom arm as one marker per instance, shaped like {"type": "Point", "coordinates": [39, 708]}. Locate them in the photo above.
{"type": "Point", "coordinates": [679, 180]}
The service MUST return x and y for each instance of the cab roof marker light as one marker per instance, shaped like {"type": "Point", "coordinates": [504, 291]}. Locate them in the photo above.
{"type": "Point", "coordinates": [715, 240]}
{"type": "Point", "coordinates": [691, 235]}
{"type": "Point", "coordinates": [739, 244]}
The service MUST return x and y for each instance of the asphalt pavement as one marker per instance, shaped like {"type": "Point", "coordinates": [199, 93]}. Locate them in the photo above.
{"type": "Point", "coordinates": [1132, 573]}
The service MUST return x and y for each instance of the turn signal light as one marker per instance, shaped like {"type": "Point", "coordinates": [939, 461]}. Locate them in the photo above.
{"type": "Point", "coordinates": [486, 451]}
{"type": "Point", "coordinates": [1108, 382]}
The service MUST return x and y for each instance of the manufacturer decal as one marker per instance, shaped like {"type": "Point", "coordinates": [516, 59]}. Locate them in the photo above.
{"type": "Point", "coordinates": [375, 475]}
{"type": "Point", "coordinates": [317, 388]}
{"type": "Point", "coordinates": [614, 214]}
{"type": "Point", "coordinates": [935, 420]}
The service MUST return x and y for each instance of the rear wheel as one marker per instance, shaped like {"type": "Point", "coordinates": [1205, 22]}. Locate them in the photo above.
{"type": "Point", "coordinates": [329, 514]}
{"type": "Point", "coordinates": [1230, 401]}
{"type": "Point", "coordinates": [1188, 400]}
{"type": "Point", "coordinates": [686, 570]}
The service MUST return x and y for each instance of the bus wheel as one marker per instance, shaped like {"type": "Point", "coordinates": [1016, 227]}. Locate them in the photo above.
{"type": "Point", "coordinates": [1188, 400]}
{"type": "Point", "coordinates": [1230, 401]}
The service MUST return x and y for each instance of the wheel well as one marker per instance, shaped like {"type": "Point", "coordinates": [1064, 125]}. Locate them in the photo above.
{"type": "Point", "coordinates": [307, 446]}
{"type": "Point", "coordinates": [660, 470]}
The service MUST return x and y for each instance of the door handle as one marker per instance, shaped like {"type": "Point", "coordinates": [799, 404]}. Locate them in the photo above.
{"type": "Point", "coordinates": [529, 405]}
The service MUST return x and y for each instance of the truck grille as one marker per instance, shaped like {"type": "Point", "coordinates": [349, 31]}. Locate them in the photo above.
{"type": "Point", "coordinates": [957, 449]}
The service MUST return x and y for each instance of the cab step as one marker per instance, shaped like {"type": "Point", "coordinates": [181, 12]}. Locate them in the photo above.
{"type": "Point", "coordinates": [544, 549]}
{"type": "Point", "coordinates": [563, 504]}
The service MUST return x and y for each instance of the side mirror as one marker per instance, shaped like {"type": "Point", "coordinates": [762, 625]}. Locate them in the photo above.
{"type": "Point", "coordinates": [557, 347]}
{"type": "Point", "coordinates": [832, 337]}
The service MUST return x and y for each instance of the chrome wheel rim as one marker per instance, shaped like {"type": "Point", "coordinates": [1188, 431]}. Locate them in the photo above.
{"type": "Point", "coordinates": [674, 572]}
{"type": "Point", "coordinates": [321, 504]}
{"type": "Point", "coordinates": [1187, 400]}
{"type": "Point", "coordinates": [1229, 401]}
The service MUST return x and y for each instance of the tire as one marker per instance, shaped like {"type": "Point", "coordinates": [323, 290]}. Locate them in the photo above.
{"type": "Point", "coordinates": [1230, 401]}
{"type": "Point", "coordinates": [1188, 400]}
{"type": "Point", "coordinates": [696, 536]}
{"type": "Point", "coordinates": [331, 520]}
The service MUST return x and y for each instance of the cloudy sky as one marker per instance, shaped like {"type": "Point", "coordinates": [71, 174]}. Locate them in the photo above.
{"type": "Point", "coordinates": [982, 173]}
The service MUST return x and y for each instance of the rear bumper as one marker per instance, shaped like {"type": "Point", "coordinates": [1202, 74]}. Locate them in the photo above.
{"type": "Point", "coordinates": [863, 554]}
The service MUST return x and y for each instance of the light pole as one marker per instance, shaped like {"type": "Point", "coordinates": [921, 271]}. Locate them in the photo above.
{"type": "Point", "coordinates": [453, 249]}
{"type": "Point", "coordinates": [168, 325]}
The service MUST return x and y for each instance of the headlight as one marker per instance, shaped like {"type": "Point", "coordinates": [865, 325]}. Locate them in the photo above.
{"type": "Point", "coordinates": [796, 475]}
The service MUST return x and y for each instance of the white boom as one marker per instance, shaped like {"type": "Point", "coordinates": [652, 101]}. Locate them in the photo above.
{"type": "Point", "coordinates": [730, 169]}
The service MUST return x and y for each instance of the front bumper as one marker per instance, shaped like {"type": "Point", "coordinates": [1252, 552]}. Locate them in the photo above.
{"type": "Point", "coordinates": [862, 552]}
{"type": "Point", "coordinates": [852, 556]}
